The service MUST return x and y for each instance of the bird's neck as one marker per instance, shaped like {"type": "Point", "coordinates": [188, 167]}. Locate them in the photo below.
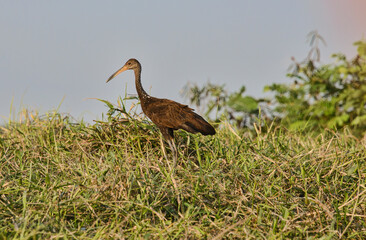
{"type": "Point", "coordinates": [140, 90]}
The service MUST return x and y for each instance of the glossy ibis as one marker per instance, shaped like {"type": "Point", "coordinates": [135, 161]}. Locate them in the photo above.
{"type": "Point", "coordinates": [167, 115]}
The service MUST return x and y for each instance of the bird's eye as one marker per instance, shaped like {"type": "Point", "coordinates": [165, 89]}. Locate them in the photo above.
{"type": "Point", "coordinates": [129, 63]}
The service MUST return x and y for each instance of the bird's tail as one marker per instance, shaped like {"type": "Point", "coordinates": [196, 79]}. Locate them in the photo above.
{"type": "Point", "coordinates": [197, 124]}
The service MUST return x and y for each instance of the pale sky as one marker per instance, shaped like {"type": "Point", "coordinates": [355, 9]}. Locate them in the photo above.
{"type": "Point", "coordinates": [52, 50]}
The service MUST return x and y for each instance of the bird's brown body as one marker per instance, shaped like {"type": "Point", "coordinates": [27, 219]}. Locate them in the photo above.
{"type": "Point", "coordinates": [166, 114]}
{"type": "Point", "coordinates": [169, 115]}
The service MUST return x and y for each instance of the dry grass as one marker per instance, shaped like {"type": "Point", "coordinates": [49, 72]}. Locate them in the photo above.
{"type": "Point", "coordinates": [110, 180]}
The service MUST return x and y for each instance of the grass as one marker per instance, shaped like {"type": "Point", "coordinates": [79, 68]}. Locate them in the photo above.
{"type": "Point", "coordinates": [110, 180]}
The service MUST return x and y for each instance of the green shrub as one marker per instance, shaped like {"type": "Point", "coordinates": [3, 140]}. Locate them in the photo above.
{"type": "Point", "coordinates": [320, 96]}
{"type": "Point", "coordinates": [240, 109]}
{"type": "Point", "coordinates": [325, 96]}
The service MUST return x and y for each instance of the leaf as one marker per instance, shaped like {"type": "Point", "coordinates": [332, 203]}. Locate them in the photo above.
{"type": "Point", "coordinates": [242, 90]}
{"type": "Point", "coordinates": [359, 120]}
{"type": "Point", "coordinates": [338, 121]}
{"type": "Point", "coordinates": [267, 88]}
{"type": "Point", "coordinates": [298, 125]}
{"type": "Point", "coordinates": [110, 105]}
{"type": "Point", "coordinates": [352, 169]}
{"type": "Point", "coordinates": [243, 104]}
{"type": "Point", "coordinates": [342, 69]}
{"type": "Point", "coordinates": [361, 48]}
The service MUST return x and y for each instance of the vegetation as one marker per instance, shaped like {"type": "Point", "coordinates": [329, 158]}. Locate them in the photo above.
{"type": "Point", "coordinates": [111, 180]}
{"type": "Point", "coordinates": [320, 96]}
{"type": "Point", "coordinates": [295, 173]}
{"type": "Point", "coordinates": [241, 110]}
{"type": "Point", "coordinates": [325, 96]}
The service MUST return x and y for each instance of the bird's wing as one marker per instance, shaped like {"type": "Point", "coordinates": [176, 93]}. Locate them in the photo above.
{"type": "Point", "coordinates": [167, 113]}
{"type": "Point", "coordinates": [170, 114]}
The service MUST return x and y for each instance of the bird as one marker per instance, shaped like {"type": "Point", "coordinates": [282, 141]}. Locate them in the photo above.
{"type": "Point", "coordinates": [166, 114]}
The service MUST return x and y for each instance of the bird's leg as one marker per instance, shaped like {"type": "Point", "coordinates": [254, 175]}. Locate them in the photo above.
{"type": "Point", "coordinates": [168, 134]}
{"type": "Point", "coordinates": [163, 148]}
{"type": "Point", "coordinates": [174, 151]}
{"type": "Point", "coordinates": [172, 171]}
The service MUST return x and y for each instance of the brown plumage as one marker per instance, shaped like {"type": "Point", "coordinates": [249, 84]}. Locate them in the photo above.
{"type": "Point", "coordinates": [166, 114]}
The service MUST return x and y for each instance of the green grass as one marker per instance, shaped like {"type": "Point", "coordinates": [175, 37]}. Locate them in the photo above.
{"type": "Point", "coordinates": [110, 180]}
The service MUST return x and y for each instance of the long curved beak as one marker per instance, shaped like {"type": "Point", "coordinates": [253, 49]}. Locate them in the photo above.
{"type": "Point", "coordinates": [122, 69]}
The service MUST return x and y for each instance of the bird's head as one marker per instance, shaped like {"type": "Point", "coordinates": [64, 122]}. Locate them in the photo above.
{"type": "Point", "coordinates": [131, 64]}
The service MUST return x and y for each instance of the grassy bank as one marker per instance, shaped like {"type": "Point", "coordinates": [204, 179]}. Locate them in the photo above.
{"type": "Point", "coordinates": [110, 180]}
